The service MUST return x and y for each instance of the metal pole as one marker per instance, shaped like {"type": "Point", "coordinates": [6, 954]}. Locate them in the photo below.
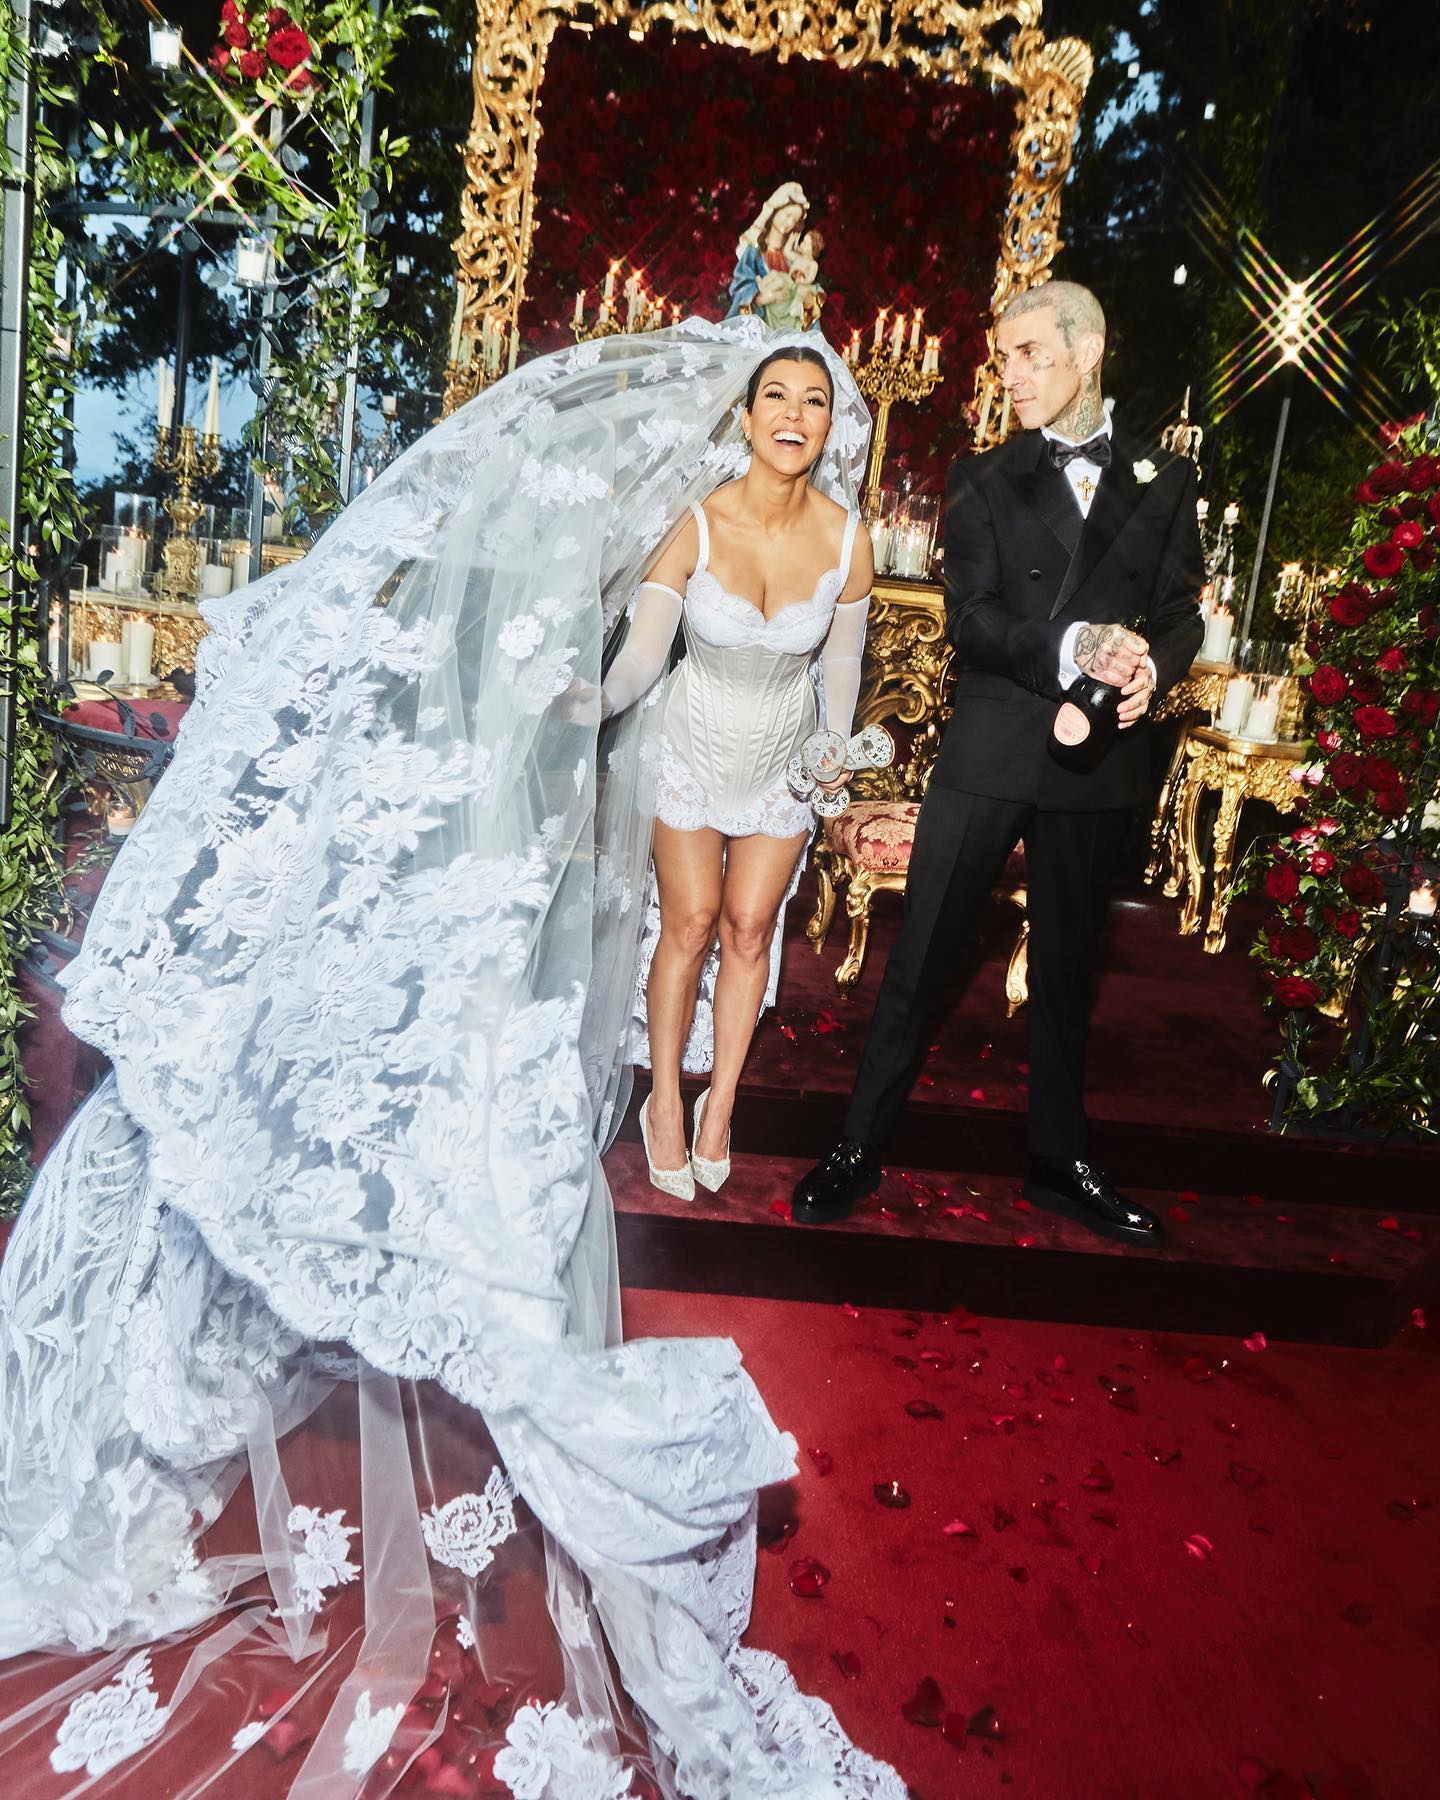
{"type": "Point", "coordinates": [1269, 504]}
{"type": "Point", "coordinates": [182, 339]}
{"type": "Point", "coordinates": [18, 203]}
{"type": "Point", "coordinates": [352, 354]}
{"type": "Point", "coordinates": [267, 318]}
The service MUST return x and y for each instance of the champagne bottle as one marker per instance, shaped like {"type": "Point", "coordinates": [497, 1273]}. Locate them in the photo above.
{"type": "Point", "coordinates": [1088, 720]}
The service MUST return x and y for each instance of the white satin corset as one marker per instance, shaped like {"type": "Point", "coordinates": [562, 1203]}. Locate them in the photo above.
{"type": "Point", "coordinates": [742, 701]}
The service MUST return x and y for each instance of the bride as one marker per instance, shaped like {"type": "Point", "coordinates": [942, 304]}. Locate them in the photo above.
{"type": "Point", "coordinates": [323, 1461]}
{"type": "Point", "coordinates": [729, 833]}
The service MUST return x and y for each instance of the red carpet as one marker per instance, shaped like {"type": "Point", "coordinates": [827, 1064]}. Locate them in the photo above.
{"type": "Point", "coordinates": [1186, 1568]}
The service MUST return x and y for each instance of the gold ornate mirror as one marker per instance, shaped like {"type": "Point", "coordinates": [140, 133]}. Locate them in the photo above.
{"type": "Point", "coordinates": [999, 45]}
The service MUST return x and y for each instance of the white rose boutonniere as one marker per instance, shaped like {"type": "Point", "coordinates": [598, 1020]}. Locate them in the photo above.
{"type": "Point", "coordinates": [1144, 470]}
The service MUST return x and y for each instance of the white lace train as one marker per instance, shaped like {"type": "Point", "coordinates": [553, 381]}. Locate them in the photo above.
{"type": "Point", "coordinates": [364, 971]}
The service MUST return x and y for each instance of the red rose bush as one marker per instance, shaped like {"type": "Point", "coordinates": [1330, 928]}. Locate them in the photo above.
{"type": "Point", "coordinates": [1369, 818]}
{"type": "Point", "coordinates": [263, 44]}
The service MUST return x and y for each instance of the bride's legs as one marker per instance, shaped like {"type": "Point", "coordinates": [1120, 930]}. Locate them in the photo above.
{"type": "Point", "coordinates": [757, 872]}
{"type": "Point", "coordinates": [688, 870]}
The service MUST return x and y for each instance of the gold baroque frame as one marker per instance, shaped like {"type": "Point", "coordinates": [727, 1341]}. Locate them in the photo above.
{"type": "Point", "coordinates": [932, 37]}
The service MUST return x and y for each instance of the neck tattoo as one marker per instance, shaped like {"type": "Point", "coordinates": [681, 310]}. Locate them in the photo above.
{"type": "Point", "coordinates": [1085, 414]}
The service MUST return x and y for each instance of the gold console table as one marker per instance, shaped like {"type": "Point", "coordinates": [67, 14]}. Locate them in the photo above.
{"type": "Point", "coordinates": [1209, 761]}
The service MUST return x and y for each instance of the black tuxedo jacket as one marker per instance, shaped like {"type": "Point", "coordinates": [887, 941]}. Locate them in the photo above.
{"type": "Point", "coordinates": [1022, 564]}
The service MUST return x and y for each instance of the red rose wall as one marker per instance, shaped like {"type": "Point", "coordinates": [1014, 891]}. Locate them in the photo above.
{"type": "Point", "coordinates": [662, 153]}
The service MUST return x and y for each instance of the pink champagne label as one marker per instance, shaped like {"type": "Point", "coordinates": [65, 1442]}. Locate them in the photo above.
{"type": "Point", "coordinates": [1071, 725]}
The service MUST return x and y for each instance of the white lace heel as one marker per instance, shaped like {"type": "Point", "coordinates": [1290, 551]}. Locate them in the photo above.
{"type": "Point", "coordinates": [712, 1175]}
{"type": "Point", "coordinates": [679, 1183]}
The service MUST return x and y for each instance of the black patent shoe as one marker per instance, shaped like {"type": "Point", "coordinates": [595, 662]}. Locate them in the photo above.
{"type": "Point", "coordinates": [830, 1190]}
{"type": "Point", "coordinates": [1079, 1191]}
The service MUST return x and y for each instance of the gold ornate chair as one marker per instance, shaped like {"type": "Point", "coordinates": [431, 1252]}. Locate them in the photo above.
{"type": "Point", "coordinates": [866, 851]}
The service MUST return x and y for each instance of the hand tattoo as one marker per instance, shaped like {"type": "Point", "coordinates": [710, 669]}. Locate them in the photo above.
{"type": "Point", "coordinates": [1100, 649]}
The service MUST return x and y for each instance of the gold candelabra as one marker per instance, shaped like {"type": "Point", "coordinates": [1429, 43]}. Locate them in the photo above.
{"type": "Point", "coordinates": [636, 311]}
{"type": "Point", "coordinates": [895, 370]}
{"type": "Point", "coordinates": [476, 361]}
{"type": "Point", "coordinates": [1182, 438]}
{"type": "Point", "coordinates": [192, 457]}
{"type": "Point", "coordinates": [1299, 598]}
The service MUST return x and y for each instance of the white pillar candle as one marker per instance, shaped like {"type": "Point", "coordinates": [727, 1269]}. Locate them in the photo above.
{"type": "Point", "coordinates": [457, 325]}
{"type": "Point", "coordinates": [880, 329]}
{"type": "Point", "coordinates": [212, 400]}
{"type": "Point", "coordinates": [164, 394]}
{"type": "Point", "coordinates": [104, 653]}
{"type": "Point", "coordinates": [1264, 713]}
{"type": "Point", "coordinates": [120, 821]}
{"type": "Point", "coordinates": [1219, 634]}
{"type": "Point", "coordinates": [610, 281]}
{"type": "Point", "coordinates": [215, 580]}
{"type": "Point", "coordinates": [52, 644]}
{"type": "Point", "coordinates": [579, 318]}
{"type": "Point", "coordinates": [897, 340]}
{"type": "Point", "coordinates": [239, 561]}
{"type": "Point", "coordinates": [915, 329]}
{"type": "Point", "coordinates": [1238, 693]}
{"type": "Point", "coordinates": [139, 650]}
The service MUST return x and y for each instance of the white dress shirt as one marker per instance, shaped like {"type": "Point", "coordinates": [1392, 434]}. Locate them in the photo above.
{"type": "Point", "coordinates": [1084, 477]}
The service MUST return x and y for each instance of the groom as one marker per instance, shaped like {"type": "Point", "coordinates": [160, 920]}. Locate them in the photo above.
{"type": "Point", "coordinates": [1051, 540]}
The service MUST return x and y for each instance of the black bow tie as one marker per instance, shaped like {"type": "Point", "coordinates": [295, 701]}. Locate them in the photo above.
{"type": "Point", "coordinates": [1095, 450]}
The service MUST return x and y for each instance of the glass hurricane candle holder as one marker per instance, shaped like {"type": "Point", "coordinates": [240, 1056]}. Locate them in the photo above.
{"type": "Point", "coordinates": [217, 571]}
{"type": "Point", "coordinates": [124, 560]}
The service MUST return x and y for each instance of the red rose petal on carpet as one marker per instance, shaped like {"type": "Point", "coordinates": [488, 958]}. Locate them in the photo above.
{"type": "Point", "coordinates": [1245, 1478]}
{"type": "Point", "coordinates": [808, 1578]}
{"type": "Point", "coordinates": [958, 1528]}
{"type": "Point", "coordinates": [923, 1409]}
{"type": "Point", "coordinates": [985, 1724]}
{"type": "Point", "coordinates": [1099, 1480]}
{"type": "Point", "coordinates": [1200, 1546]}
{"type": "Point", "coordinates": [1092, 1563]}
{"type": "Point", "coordinates": [891, 1494]}
{"type": "Point", "coordinates": [1256, 1341]}
{"type": "Point", "coordinates": [284, 1737]}
{"type": "Point", "coordinates": [953, 1729]}
{"type": "Point", "coordinates": [926, 1706]}
{"type": "Point", "coordinates": [847, 1662]}
{"type": "Point", "coordinates": [824, 1462]}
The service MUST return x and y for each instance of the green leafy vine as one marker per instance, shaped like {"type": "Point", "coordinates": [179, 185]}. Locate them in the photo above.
{"type": "Point", "coordinates": [31, 878]}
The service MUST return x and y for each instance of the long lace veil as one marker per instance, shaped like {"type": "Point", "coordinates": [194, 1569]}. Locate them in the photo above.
{"type": "Point", "coordinates": [335, 1228]}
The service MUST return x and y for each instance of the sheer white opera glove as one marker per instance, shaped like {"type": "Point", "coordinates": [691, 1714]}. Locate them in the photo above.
{"type": "Point", "coordinates": [646, 649]}
{"type": "Point", "coordinates": [840, 664]}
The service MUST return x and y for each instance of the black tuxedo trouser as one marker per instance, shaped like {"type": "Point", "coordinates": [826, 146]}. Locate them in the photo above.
{"type": "Point", "coordinates": [961, 845]}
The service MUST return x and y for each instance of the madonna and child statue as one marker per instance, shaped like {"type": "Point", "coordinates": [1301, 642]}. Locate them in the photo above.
{"type": "Point", "coordinates": [777, 264]}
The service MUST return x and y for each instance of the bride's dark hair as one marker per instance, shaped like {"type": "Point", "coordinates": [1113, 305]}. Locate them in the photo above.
{"type": "Point", "coordinates": [800, 353]}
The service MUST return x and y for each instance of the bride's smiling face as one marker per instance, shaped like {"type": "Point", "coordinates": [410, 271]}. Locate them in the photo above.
{"type": "Point", "coordinates": [790, 420]}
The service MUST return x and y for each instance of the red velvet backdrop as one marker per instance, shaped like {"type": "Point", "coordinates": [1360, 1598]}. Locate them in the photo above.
{"type": "Point", "coordinates": [662, 153]}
